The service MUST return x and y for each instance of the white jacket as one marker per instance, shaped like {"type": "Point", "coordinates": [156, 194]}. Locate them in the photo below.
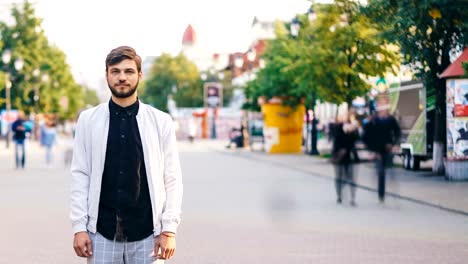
{"type": "Point", "coordinates": [161, 162]}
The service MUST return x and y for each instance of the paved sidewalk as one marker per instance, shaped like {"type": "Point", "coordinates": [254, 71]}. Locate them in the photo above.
{"type": "Point", "coordinates": [422, 187]}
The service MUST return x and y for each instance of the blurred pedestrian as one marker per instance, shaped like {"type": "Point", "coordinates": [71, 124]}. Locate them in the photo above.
{"type": "Point", "coordinates": [236, 137]}
{"type": "Point", "coordinates": [192, 129]}
{"type": "Point", "coordinates": [126, 187]}
{"type": "Point", "coordinates": [381, 135]}
{"type": "Point", "coordinates": [345, 136]}
{"type": "Point", "coordinates": [48, 139]}
{"type": "Point", "coordinates": [353, 120]}
{"type": "Point", "coordinates": [19, 130]}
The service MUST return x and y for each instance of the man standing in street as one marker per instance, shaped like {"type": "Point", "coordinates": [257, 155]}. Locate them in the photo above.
{"type": "Point", "coordinates": [126, 187]}
{"type": "Point", "coordinates": [381, 135]}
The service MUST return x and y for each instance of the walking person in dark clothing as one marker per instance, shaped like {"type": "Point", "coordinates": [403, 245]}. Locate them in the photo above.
{"type": "Point", "coordinates": [19, 136]}
{"type": "Point", "coordinates": [381, 135]}
{"type": "Point", "coordinates": [345, 136]}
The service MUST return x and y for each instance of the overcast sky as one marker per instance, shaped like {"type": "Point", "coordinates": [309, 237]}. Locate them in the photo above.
{"type": "Point", "coordinates": [86, 30]}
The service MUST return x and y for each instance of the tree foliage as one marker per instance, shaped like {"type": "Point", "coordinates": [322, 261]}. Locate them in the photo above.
{"type": "Point", "coordinates": [54, 83]}
{"type": "Point", "coordinates": [346, 50]}
{"type": "Point", "coordinates": [277, 78]}
{"type": "Point", "coordinates": [330, 59]}
{"type": "Point", "coordinates": [429, 33]}
{"type": "Point", "coordinates": [173, 75]}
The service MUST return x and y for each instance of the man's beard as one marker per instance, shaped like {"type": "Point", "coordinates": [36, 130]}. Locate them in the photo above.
{"type": "Point", "coordinates": [123, 94]}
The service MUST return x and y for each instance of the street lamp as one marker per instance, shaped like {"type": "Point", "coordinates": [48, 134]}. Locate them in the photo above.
{"type": "Point", "coordinates": [294, 30]}
{"type": "Point", "coordinates": [294, 27]}
{"type": "Point", "coordinates": [251, 56]}
{"type": "Point", "coordinates": [311, 14]}
{"type": "Point", "coordinates": [239, 61]}
{"type": "Point", "coordinates": [18, 64]}
{"type": "Point", "coordinates": [221, 75]}
{"type": "Point", "coordinates": [36, 73]}
{"type": "Point", "coordinates": [261, 63]}
{"type": "Point", "coordinates": [203, 76]}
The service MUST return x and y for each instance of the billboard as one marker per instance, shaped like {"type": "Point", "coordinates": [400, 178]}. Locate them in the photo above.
{"type": "Point", "coordinates": [460, 97]}
{"type": "Point", "coordinates": [213, 95]}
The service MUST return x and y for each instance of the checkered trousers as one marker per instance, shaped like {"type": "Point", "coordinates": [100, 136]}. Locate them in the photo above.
{"type": "Point", "coordinates": [112, 252]}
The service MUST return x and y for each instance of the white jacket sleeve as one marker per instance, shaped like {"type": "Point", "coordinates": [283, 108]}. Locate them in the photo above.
{"type": "Point", "coordinates": [80, 178]}
{"type": "Point", "coordinates": [172, 180]}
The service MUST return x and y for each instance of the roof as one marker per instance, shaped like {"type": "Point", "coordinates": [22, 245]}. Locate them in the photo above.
{"type": "Point", "coordinates": [189, 36]}
{"type": "Point", "coordinates": [456, 69]}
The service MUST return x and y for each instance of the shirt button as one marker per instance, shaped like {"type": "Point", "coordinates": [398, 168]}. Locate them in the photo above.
{"type": "Point", "coordinates": [122, 136]}
{"type": "Point", "coordinates": [123, 119]}
{"type": "Point", "coordinates": [121, 172]}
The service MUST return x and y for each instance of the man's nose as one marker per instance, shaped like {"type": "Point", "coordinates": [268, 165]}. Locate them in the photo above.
{"type": "Point", "coordinates": [122, 77]}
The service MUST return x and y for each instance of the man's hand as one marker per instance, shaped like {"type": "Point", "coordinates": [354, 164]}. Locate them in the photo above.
{"type": "Point", "coordinates": [82, 245]}
{"type": "Point", "coordinates": [165, 242]}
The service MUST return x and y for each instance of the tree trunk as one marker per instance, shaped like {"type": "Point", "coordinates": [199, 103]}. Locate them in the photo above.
{"type": "Point", "coordinates": [440, 118]}
{"type": "Point", "coordinates": [440, 129]}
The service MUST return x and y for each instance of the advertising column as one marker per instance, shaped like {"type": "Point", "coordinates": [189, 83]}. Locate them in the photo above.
{"type": "Point", "coordinates": [457, 128]}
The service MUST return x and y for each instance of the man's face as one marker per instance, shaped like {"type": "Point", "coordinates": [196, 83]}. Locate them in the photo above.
{"type": "Point", "coordinates": [123, 78]}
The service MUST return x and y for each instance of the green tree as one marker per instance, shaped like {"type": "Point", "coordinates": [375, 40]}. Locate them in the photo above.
{"type": "Point", "coordinates": [331, 58]}
{"type": "Point", "coordinates": [277, 78]}
{"type": "Point", "coordinates": [341, 50]}
{"type": "Point", "coordinates": [32, 91]}
{"type": "Point", "coordinates": [173, 75]}
{"type": "Point", "coordinates": [91, 97]}
{"type": "Point", "coordinates": [427, 33]}
{"type": "Point", "coordinates": [61, 84]}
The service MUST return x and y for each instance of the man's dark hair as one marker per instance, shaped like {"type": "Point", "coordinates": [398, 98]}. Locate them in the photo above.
{"type": "Point", "coordinates": [122, 53]}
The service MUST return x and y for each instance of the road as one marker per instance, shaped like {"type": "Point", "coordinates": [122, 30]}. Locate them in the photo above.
{"type": "Point", "coordinates": [237, 210]}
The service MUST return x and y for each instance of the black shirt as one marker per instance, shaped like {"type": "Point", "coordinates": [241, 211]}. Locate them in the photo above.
{"type": "Point", "coordinates": [19, 134]}
{"type": "Point", "coordinates": [380, 132]}
{"type": "Point", "coordinates": [125, 206]}
{"type": "Point", "coordinates": [343, 144]}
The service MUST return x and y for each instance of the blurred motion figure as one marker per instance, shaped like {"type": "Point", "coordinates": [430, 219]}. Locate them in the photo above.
{"type": "Point", "coordinates": [345, 136]}
{"type": "Point", "coordinates": [48, 138]}
{"type": "Point", "coordinates": [19, 129]}
{"type": "Point", "coordinates": [381, 135]}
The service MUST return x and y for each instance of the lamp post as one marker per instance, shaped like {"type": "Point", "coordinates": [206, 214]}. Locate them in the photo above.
{"type": "Point", "coordinates": [294, 27]}
{"type": "Point", "coordinates": [18, 64]}
{"type": "Point", "coordinates": [36, 73]}
{"type": "Point", "coordinates": [311, 14]}
{"type": "Point", "coordinates": [294, 30]}
{"type": "Point", "coordinates": [213, 121]}
{"type": "Point", "coordinates": [251, 57]}
{"type": "Point", "coordinates": [238, 64]}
